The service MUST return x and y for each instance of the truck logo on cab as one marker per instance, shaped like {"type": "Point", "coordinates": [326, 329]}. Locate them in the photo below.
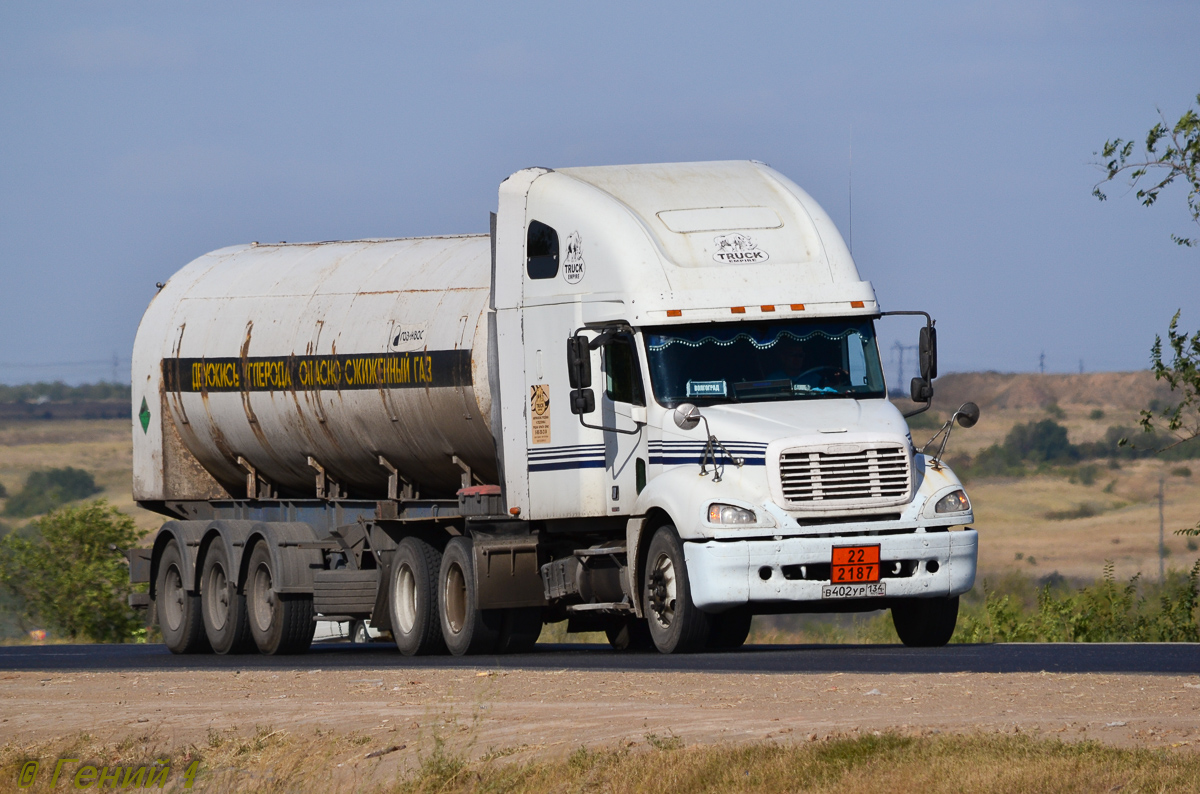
{"type": "Point", "coordinates": [573, 266]}
{"type": "Point", "coordinates": [738, 249]}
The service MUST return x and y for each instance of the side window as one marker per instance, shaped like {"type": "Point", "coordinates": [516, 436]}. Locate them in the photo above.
{"type": "Point", "coordinates": [541, 248]}
{"type": "Point", "coordinates": [622, 378]}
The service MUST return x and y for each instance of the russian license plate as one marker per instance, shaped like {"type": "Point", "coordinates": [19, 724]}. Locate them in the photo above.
{"type": "Point", "coordinates": [854, 564]}
{"type": "Point", "coordinates": [865, 590]}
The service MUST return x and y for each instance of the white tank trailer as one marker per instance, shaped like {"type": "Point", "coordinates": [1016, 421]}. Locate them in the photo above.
{"type": "Point", "coordinates": [649, 402]}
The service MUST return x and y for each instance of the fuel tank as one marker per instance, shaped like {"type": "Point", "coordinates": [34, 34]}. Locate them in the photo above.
{"type": "Point", "coordinates": [311, 357]}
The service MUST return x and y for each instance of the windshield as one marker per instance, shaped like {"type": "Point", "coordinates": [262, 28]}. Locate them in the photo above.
{"type": "Point", "coordinates": [714, 363]}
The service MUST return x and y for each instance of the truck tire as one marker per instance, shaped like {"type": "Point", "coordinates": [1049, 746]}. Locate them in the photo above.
{"type": "Point", "coordinates": [413, 591]}
{"type": "Point", "coordinates": [466, 628]}
{"type": "Point", "coordinates": [729, 629]}
{"type": "Point", "coordinates": [179, 616]}
{"type": "Point", "coordinates": [925, 622]}
{"type": "Point", "coordinates": [279, 623]}
{"type": "Point", "coordinates": [519, 630]}
{"type": "Point", "coordinates": [676, 624]}
{"type": "Point", "coordinates": [223, 606]}
{"type": "Point", "coordinates": [631, 634]}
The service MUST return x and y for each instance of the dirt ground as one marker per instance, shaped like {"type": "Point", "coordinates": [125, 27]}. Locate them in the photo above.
{"type": "Point", "coordinates": [552, 713]}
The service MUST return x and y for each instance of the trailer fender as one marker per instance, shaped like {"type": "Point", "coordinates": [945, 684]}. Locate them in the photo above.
{"type": "Point", "coordinates": [188, 535]}
{"type": "Point", "coordinates": [232, 535]}
{"type": "Point", "coordinates": [294, 566]}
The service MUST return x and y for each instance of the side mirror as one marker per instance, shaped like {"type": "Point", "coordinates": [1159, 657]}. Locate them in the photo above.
{"type": "Point", "coordinates": [686, 416]}
{"type": "Point", "coordinates": [927, 347]}
{"type": "Point", "coordinates": [967, 415]}
{"type": "Point", "coordinates": [921, 390]}
{"type": "Point", "coordinates": [579, 364]}
{"type": "Point", "coordinates": [583, 401]}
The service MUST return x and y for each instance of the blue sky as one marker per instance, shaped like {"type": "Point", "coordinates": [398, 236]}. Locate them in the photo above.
{"type": "Point", "coordinates": [137, 136]}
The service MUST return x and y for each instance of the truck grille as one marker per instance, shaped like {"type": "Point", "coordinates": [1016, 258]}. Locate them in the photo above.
{"type": "Point", "coordinates": [880, 474]}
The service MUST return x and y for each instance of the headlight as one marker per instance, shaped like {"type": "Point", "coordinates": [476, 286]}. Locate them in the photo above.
{"type": "Point", "coordinates": [955, 502]}
{"type": "Point", "coordinates": [728, 514]}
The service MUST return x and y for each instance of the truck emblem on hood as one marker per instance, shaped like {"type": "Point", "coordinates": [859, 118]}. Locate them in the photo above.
{"type": "Point", "coordinates": [573, 266]}
{"type": "Point", "coordinates": [738, 248]}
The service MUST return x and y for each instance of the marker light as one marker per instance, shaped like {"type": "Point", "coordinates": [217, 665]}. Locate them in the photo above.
{"type": "Point", "coordinates": [728, 514]}
{"type": "Point", "coordinates": [738, 310]}
{"type": "Point", "coordinates": [856, 304]}
{"type": "Point", "coordinates": [767, 308]}
{"type": "Point", "coordinates": [955, 502]}
{"type": "Point", "coordinates": [797, 307]}
{"type": "Point", "coordinates": [674, 313]}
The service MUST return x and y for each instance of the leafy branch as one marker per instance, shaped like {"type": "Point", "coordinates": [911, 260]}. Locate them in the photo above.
{"type": "Point", "coordinates": [1179, 159]}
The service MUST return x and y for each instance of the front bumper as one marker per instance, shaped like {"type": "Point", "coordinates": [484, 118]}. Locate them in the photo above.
{"type": "Point", "coordinates": [725, 574]}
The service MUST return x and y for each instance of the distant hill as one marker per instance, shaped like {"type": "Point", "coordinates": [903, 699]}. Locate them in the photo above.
{"type": "Point", "coordinates": [1026, 391]}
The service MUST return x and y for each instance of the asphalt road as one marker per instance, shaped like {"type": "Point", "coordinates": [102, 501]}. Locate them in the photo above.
{"type": "Point", "coordinates": [1008, 658]}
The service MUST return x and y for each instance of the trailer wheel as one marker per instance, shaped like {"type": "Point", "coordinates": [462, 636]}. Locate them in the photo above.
{"type": "Point", "coordinates": [729, 629]}
{"type": "Point", "coordinates": [222, 605]}
{"type": "Point", "coordinates": [414, 598]}
{"type": "Point", "coordinates": [280, 624]}
{"type": "Point", "coordinates": [179, 614]}
{"type": "Point", "coordinates": [676, 624]}
{"type": "Point", "coordinates": [466, 628]}
{"type": "Point", "coordinates": [925, 622]}
{"type": "Point", "coordinates": [631, 634]}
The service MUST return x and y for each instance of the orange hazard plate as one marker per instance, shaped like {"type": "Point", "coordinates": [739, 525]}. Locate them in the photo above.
{"type": "Point", "coordinates": [854, 564]}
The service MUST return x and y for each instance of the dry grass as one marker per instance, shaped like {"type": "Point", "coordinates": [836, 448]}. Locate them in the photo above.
{"type": "Point", "coordinates": [269, 760]}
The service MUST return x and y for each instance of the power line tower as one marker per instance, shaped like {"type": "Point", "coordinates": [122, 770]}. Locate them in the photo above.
{"type": "Point", "coordinates": [900, 350]}
{"type": "Point", "coordinates": [1042, 363]}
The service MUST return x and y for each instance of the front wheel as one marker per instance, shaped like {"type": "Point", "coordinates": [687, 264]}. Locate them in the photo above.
{"type": "Point", "coordinates": [676, 624]}
{"type": "Point", "coordinates": [925, 622]}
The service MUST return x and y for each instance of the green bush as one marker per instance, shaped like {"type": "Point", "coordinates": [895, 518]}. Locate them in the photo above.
{"type": "Point", "coordinates": [46, 490]}
{"type": "Point", "coordinates": [1105, 611]}
{"type": "Point", "coordinates": [69, 574]}
{"type": "Point", "coordinates": [3, 491]}
{"type": "Point", "coordinates": [1041, 442]}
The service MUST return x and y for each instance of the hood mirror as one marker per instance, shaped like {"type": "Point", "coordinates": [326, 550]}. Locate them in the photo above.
{"type": "Point", "coordinates": [967, 415]}
{"type": "Point", "coordinates": [686, 416]}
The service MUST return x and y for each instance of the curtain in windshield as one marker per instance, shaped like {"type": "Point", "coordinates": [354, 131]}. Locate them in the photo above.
{"type": "Point", "coordinates": [750, 362]}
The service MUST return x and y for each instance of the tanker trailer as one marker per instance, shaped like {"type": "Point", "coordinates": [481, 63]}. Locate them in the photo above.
{"type": "Point", "coordinates": [406, 431]}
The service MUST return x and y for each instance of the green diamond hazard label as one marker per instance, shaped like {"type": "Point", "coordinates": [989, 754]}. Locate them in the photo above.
{"type": "Point", "coordinates": [144, 416]}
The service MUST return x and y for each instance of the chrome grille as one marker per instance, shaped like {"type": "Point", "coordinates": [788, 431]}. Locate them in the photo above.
{"type": "Point", "coordinates": [872, 474]}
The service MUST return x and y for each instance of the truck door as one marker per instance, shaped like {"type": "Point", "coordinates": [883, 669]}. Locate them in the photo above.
{"type": "Point", "coordinates": [623, 406]}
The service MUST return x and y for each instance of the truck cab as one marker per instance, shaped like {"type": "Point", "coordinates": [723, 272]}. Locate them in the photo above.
{"type": "Point", "coordinates": [737, 422]}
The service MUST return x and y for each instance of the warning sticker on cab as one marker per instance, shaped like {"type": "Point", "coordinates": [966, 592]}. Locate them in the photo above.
{"type": "Point", "coordinates": [539, 413]}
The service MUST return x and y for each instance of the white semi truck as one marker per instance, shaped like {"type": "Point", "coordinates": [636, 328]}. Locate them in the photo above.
{"type": "Point", "coordinates": [650, 402]}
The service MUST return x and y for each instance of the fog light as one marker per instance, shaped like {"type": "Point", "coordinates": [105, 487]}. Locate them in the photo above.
{"type": "Point", "coordinates": [955, 502]}
{"type": "Point", "coordinates": [728, 514]}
